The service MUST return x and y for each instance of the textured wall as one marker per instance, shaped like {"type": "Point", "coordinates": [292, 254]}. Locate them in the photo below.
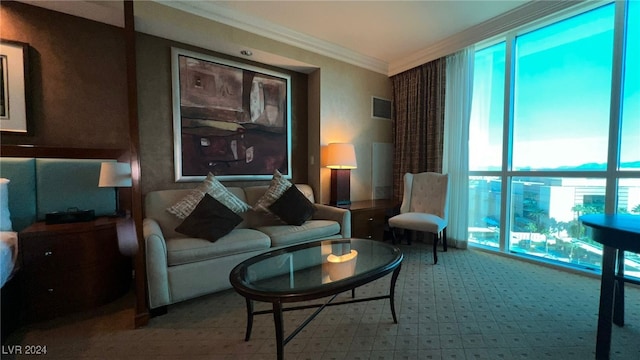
{"type": "Point", "coordinates": [339, 94]}
{"type": "Point", "coordinates": [155, 114]}
{"type": "Point", "coordinates": [78, 78]}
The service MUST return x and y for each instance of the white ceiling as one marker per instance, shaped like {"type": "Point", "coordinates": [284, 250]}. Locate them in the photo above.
{"type": "Point", "coordinates": [383, 36]}
{"type": "Point", "coordinates": [383, 30]}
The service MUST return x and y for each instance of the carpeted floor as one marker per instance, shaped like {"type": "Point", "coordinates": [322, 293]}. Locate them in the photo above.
{"type": "Point", "coordinates": [472, 305]}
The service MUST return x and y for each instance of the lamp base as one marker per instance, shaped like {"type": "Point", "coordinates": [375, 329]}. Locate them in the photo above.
{"type": "Point", "coordinates": [340, 187]}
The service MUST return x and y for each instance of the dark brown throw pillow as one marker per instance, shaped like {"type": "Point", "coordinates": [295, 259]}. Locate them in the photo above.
{"type": "Point", "coordinates": [293, 207]}
{"type": "Point", "coordinates": [209, 220]}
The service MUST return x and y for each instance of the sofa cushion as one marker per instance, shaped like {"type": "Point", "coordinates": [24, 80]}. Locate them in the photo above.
{"type": "Point", "coordinates": [293, 207]}
{"type": "Point", "coordinates": [210, 220]}
{"type": "Point", "coordinates": [189, 250]}
{"type": "Point", "coordinates": [282, 235]}
{"type": "Point", "coordinates": [276, 188]}
{"type": "Point", "coordinates": [213, 187]}
{"type": "Point", "coordinates": [255, 219]}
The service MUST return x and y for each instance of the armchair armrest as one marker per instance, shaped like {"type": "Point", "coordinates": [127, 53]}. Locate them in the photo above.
{"type": "Point", "coordinates": [156, 263]}
{"type": "Point", "coordinates": [342, 216]}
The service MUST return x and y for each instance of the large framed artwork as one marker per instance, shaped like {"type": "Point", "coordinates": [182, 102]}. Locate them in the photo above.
{"type": "Point", "coordinates": [14, 85]}
{"type": "Point", "coordinates": [229, 118]}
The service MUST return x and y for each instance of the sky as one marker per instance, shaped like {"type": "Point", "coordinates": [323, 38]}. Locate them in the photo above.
{"type": "Point", "coordinates": [562, 94]}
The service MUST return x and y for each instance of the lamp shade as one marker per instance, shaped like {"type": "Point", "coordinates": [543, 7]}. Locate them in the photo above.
{"type": "Point", "coordinates": [341, 156]}
{"type": "Point", "coordinates": [115, 174]}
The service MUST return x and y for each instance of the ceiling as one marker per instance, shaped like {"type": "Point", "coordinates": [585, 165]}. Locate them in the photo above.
{"type": "Point", "coordinates": [383, 30]}
{"type": "Point", "coordinates": [383, 36]}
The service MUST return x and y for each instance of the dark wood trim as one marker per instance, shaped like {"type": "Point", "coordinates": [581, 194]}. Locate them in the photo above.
{"type": "Point", "coordinates": [142, 309]}
{"type": "Point", "coordinates": [63, 152]}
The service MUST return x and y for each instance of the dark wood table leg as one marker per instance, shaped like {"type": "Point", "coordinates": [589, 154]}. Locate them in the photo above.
{"type": "Point", "coordinates": [277, 320]}
{"type": "Point", "coordinates": [603, 340]}
{"type": "Point", "coordinates": [392, 292]}
{"type": "Point", "coordinates": [618, 299]}
{"type": "Point", "coordinates": [247, 335]}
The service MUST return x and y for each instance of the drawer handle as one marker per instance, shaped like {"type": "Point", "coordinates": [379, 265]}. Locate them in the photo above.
{"type": "Point", "coordinates": [370, 219]}
{"type": "Point", "coordinates": [369, 236]}
{"type": "Point", "coordinates": [50, 290]}
{"type": "Point", "coordinates": [48, 253]}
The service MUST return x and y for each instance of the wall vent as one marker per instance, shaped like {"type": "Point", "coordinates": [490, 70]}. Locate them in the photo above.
{"type": "Point", "coordinates": [380, 108]}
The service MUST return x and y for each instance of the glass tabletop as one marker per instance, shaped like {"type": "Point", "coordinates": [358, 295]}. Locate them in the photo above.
{"type": "Point", "coordinates": [317, 267]}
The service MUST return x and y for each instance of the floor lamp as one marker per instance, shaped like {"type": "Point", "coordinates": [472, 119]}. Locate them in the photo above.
{"type": "Point", "coordinates": [341, 158]}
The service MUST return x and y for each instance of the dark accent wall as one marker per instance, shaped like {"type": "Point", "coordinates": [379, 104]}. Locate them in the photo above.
{"type": "Point", "coordinates": [155, 114]}
{"type": "Point", "coordinates": [79, 91]}
{"type": "Point", "coordinates": [78, 78]}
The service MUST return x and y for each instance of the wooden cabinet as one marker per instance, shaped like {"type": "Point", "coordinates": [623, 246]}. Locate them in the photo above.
{"type": "Point", "coordinates": [71, 267]}
{"type": "Point", "coordinates": [368, 218]}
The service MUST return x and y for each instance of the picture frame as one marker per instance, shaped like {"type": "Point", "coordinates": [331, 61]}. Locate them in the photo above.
{"type": "Point", "coordinates": [14, 87]}
{"type": "Point", "coordinates": [229, 118]}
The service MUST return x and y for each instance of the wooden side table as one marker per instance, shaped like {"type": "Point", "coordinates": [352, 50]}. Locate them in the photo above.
{"type": "Point", "coordinates": [368, 218]}
{"type": "Point", "coordinates": [71, 267]}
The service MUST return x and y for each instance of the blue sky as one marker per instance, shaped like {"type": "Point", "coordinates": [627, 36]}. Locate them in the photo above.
{"type": "Point", "coordinates": [563, 92]}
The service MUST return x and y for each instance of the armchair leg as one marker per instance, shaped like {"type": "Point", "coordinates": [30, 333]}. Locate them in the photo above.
{"type": "Point", "coordinates": [444, 239]}
{"type": "Point", "coordinates": [436, 238]}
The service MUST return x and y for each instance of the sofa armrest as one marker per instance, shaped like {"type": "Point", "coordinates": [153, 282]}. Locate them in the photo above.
{"type": "Point", "coordinates": [342, 216]}
{"type": "Point", "coordinates": [156, 263]}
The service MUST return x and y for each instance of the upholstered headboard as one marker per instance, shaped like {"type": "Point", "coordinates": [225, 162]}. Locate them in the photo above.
{"type": "Point", "coordinates": [42, 185]}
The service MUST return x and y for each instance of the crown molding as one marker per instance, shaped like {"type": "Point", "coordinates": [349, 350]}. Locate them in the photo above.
{"type": "Point", "coordinates": [108, 12]}
{"type": "Point", "coordinates": [519, 16]}
{"type": "Point", "coordinates": [224, 15]}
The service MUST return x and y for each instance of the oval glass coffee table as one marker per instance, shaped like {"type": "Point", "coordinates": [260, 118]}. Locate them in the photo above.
{"type": "Point", "coordinates": [321, 269]}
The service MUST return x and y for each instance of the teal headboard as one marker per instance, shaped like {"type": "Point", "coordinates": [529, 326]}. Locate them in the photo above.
{"type": "Point", "coordinates": [71, 183]}
{"type": "Point", "coordinates": [22, 195]}
{"type": "Point", "coordinates": [42, 185]}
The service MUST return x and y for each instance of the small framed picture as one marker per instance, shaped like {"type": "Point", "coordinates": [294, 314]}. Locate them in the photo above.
{"type": "Point", "coordinates": [14, 86]}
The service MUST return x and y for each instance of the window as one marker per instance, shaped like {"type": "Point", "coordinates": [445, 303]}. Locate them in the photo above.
{"type": "Point", "coordinates": [630, 129]}
{"type": "Point", "coordinates": [485, 129]}
{"type": "Point", "coordinates": [563, 82]}
{"type": "Point", "coordinates": [484, 210]}
{"type": "Point", "coordinates": [533, 173]}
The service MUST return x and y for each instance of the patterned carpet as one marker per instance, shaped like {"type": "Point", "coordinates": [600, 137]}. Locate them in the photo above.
{"type": "Point", "coordinates": [472, 305]}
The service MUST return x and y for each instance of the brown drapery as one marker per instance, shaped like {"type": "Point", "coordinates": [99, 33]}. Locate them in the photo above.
{"type": "Point", "coordinates": [418, 121]}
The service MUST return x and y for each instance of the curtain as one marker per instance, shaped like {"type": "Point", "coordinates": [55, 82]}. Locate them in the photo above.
{"type": "Point", "coordinates": [459, 92]}
{"type": "Point", "coordinates": [418, 121]}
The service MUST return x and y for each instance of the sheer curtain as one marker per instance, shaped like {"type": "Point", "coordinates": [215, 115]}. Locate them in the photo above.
{"type": "Point", "coordinates": [418, 121]}
{"type": "Point", "coordinates": [459, 92]}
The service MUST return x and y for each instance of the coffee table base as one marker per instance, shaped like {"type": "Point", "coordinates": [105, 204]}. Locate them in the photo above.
{"type": "Point", "coordinates": [278, 309]}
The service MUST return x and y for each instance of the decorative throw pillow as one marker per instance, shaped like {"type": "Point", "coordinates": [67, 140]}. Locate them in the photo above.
{"type": "Point", "coordinates": [277, 187]}
{"type": "Point", "coordinates": [5, 216]}
{"type": "Point", "coordinates": [213, 187]}
{"type": "Point", "coordinates": [293, 207]}
{"type": "Point", "coordinates": [209, 220]}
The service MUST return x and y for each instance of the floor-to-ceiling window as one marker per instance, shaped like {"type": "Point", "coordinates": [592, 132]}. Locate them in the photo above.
{"type": "Point", "coordinates": [555, 133]}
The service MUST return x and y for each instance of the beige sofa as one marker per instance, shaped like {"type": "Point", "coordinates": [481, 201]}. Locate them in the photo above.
{"type": "Point", "coordinates": [181, 268]}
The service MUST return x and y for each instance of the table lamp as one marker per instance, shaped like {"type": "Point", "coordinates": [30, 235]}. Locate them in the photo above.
{"type": "Point", "coordinates": [341, 158]}
{"type": "Point", "coordinates": [115, 174]}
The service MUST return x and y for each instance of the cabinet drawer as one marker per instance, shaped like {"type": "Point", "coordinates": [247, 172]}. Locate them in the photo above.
{"type": "Point", "coordinates": [368, 224]}
{"type": "Point", "coordinates": [71, 267]}
{"type": "Point", "coordinates": [46, 252]}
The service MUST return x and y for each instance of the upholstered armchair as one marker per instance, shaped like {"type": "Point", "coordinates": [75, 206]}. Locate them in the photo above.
{"type": "Point", "coordinates": [424, 207]}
